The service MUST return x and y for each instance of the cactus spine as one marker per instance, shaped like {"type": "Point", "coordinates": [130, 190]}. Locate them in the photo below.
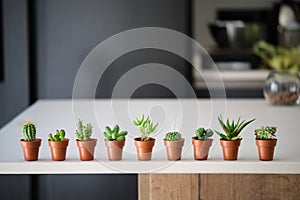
{"type": "Point", "coordinates": [29, 131]}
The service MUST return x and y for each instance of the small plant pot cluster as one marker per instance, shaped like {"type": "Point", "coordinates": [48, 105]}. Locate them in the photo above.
{"type": "Point", "coordinates": [174, 143]}
{"type": "Point", "coordinates": [266, 142]}
{"type": "Point", "coordinates": [230, 141]}
{"type": "Point", "coordinates": [58, 145]}
{"type": "Point", "coordinates": [114, 142]}
{"type": "Point", "coordinates": [145, 143]}
{"type": "Point", "coordinates": [201, 143]}
{"type": "Point", "coordinates": [30, 144]}
{"type": "Point", "coordinates": [86, 145]}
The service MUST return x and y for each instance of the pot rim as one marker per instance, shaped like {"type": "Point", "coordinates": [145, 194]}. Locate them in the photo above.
{"type": "Point", "coordinates": [36, 139]}
{"type": "Point", "coordinates": [138, 139]}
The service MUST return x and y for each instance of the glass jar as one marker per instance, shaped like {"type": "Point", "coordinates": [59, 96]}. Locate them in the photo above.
{"type": "Point", "coordinates": [282, 88]}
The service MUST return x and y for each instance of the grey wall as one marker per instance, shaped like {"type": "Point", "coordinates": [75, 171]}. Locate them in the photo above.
{"type": "Point", "coordinates": [14, 89]}
{"type": "Point", "coordinates": [68, 30]}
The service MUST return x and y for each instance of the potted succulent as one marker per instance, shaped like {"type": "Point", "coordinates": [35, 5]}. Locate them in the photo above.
{"type": "Point", "coordinates": [174, 142]}
{"type": "Point", "coordinates": [85, 143]}
{"type": "Point", "coordinates": [114, 142]}
{"type": "Point", "coordinates": [283, 83]}
{"type": "Point", "coordinates": [266, 142]}
{"type": "Point", "coordinates": [58, 145]}
{"type": "Point", "coordinates": [30, 143]}
{"type": "Point", "coordinates": [230, 141]}
{"type": "Point", "coordinates": [145, 143]}
{"type": "Point", "coordinates": [202, 143]}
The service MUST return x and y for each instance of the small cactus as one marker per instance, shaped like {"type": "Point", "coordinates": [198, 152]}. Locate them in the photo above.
{"type": "Point", "coordinates": [266, 133]}
{"type": "Point", "coordinates": [59, 136]}
{"type": "Point", "coordinates": [171, 136]}
{"type": "Point", "coordinates": [83, 133]}
{"type": "Point", "coordinates": [114, 134]}
{"type": "Point", "coordinates": [29, 131]}
{"type": "Point", "coordinates": [203, 133]}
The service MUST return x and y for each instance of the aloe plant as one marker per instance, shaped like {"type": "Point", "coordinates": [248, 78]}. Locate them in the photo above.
{"type": "Point", "coordinates": [266, 133]}
{"type": "Point", "coordinates": [232, 130]}
{"type": "Point", "coordinates": [204, 134]}
{"type": "Point", "coordinates": [172, 136]}
{"type": "Point", "coordinates": [59, 136]}
{"type": "Point", "coordinates": [114, 134]}
{"type": "Point", "coordinates": [146, 127]}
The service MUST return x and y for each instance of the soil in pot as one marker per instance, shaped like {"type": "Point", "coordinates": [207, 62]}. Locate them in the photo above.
{"type": "Point", "coordinates": [174, 149]}
{"type": "Point", "coordinates": [31, 149]}
{"type": "Point", "coordinates": [58, 149]}
{"type": "Point", "coordinates": [114, 149]}
{"type": "Point", "coordinates": [86, 149]}
{"type": "Point", "coordinates": [230, 149]}
{"type": "Point", "coordinates": [144, 148]}
{"type": "Point", "coordinates": [201, 148]}
{"type": "Point", "coordinates": [266, 149]}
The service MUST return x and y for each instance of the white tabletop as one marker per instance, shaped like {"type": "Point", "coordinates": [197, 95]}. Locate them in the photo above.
{"type": "Point", "coordinates": [185, 115]}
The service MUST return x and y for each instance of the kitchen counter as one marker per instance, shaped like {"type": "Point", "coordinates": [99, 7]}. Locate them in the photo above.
{"type": "Point", "coordinates": [184, 115]}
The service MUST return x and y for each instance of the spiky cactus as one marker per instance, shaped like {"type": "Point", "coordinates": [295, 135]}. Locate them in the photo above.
{"type": "Point", "coordinates": [171, 136]}
{"type": "Point", "coordinates": [114, 134]}
{"type": "Point", "coordinates": [266, 133]}
{"type": "Point", "coordinates": [29, 131]}
{"type": "Point", "coordinates": [59, 136]}
{"type": "Point", "coordinates": [84, 133]}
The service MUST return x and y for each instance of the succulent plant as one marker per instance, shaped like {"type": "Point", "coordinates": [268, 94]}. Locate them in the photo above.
{"type": "Point", "coordinates": [59, 136]}
{"type": "Point", "coordinates": [146, 127]}
{"type": "Point", "coordinates": [266, 133]}
{"type": "Point", "coordinates": [203, 133]}
{"type": "Point", "coordinates": [29, 131]}
{"type": "Point", "coordinates": [83, 133]}
{"type": "Point", "coordinates": [171, 136]}
{"type": "Point", "coordinates": [114, 134]}
{"type": "Point", "coordinates": [232, 130]}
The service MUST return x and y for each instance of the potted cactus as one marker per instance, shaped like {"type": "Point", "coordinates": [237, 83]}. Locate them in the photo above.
{"type": "Point", "coordinates": [230, 141]}
{"type": "Point", "coordinates": [58, 145]}
{"type": "Point", "coordinates": [145, 143]}
{"type": "Point", "coordinates": [174, 142]}
{"type": "Point", "coordinates": [85, 143]}
{"type": "Point", "coordinates": [30, 143]}
{"type": "Point", "coordinates": [266, 142]}
{"type": "Point", "coordinates": [114, 142]}
{"type": "Point", "coordinates": [202, 143]}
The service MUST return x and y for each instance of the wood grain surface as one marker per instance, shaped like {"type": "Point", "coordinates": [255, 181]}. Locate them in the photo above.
{"type": "Point", "coordinates": [219, 186]}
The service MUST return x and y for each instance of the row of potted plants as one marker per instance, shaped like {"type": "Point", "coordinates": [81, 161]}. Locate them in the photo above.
{"type": "Point", "coordinates": [115, 141]}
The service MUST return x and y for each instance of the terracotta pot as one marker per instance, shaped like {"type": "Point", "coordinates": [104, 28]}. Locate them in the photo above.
{"type": "Point", "coordinates": [174, 149]}
{"type": "Point", "coordinates": [144, 149]}
{"type": "Point", "coordinates": [230, 149]}
{"type": "Point", "coordinates": [114, 149]}
{"type": "Point", "coordinates": [201, 148]}
{"type": "Point", "coordinates": [31, 149]}
{"type": "Point", "coordinates": [58, 149]}
{"type": "Point", "coordinates": [266, 149]}
{"type": "Point", "coordinates": [86, 149]}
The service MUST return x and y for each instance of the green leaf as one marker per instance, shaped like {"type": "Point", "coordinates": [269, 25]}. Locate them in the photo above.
{"type": "Point", "coordinates": [108, 130]}
{"type": "Point", "coordinates": [123, 133]}
{"type": "Point", "coordinates": [209, 133]}
{"type": "Point", "coordinates": [244, 125]}
{"type": "Point", "coordinates": [120, 138]}
{"type": "Point", "coordinates": [116, 129]}
{"type": "Point", "coordinates": [235, 138]}
{"type": "Point", "coordinates": [114, 136]}
{"type": "Point", "coordinates": [221, 135]}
